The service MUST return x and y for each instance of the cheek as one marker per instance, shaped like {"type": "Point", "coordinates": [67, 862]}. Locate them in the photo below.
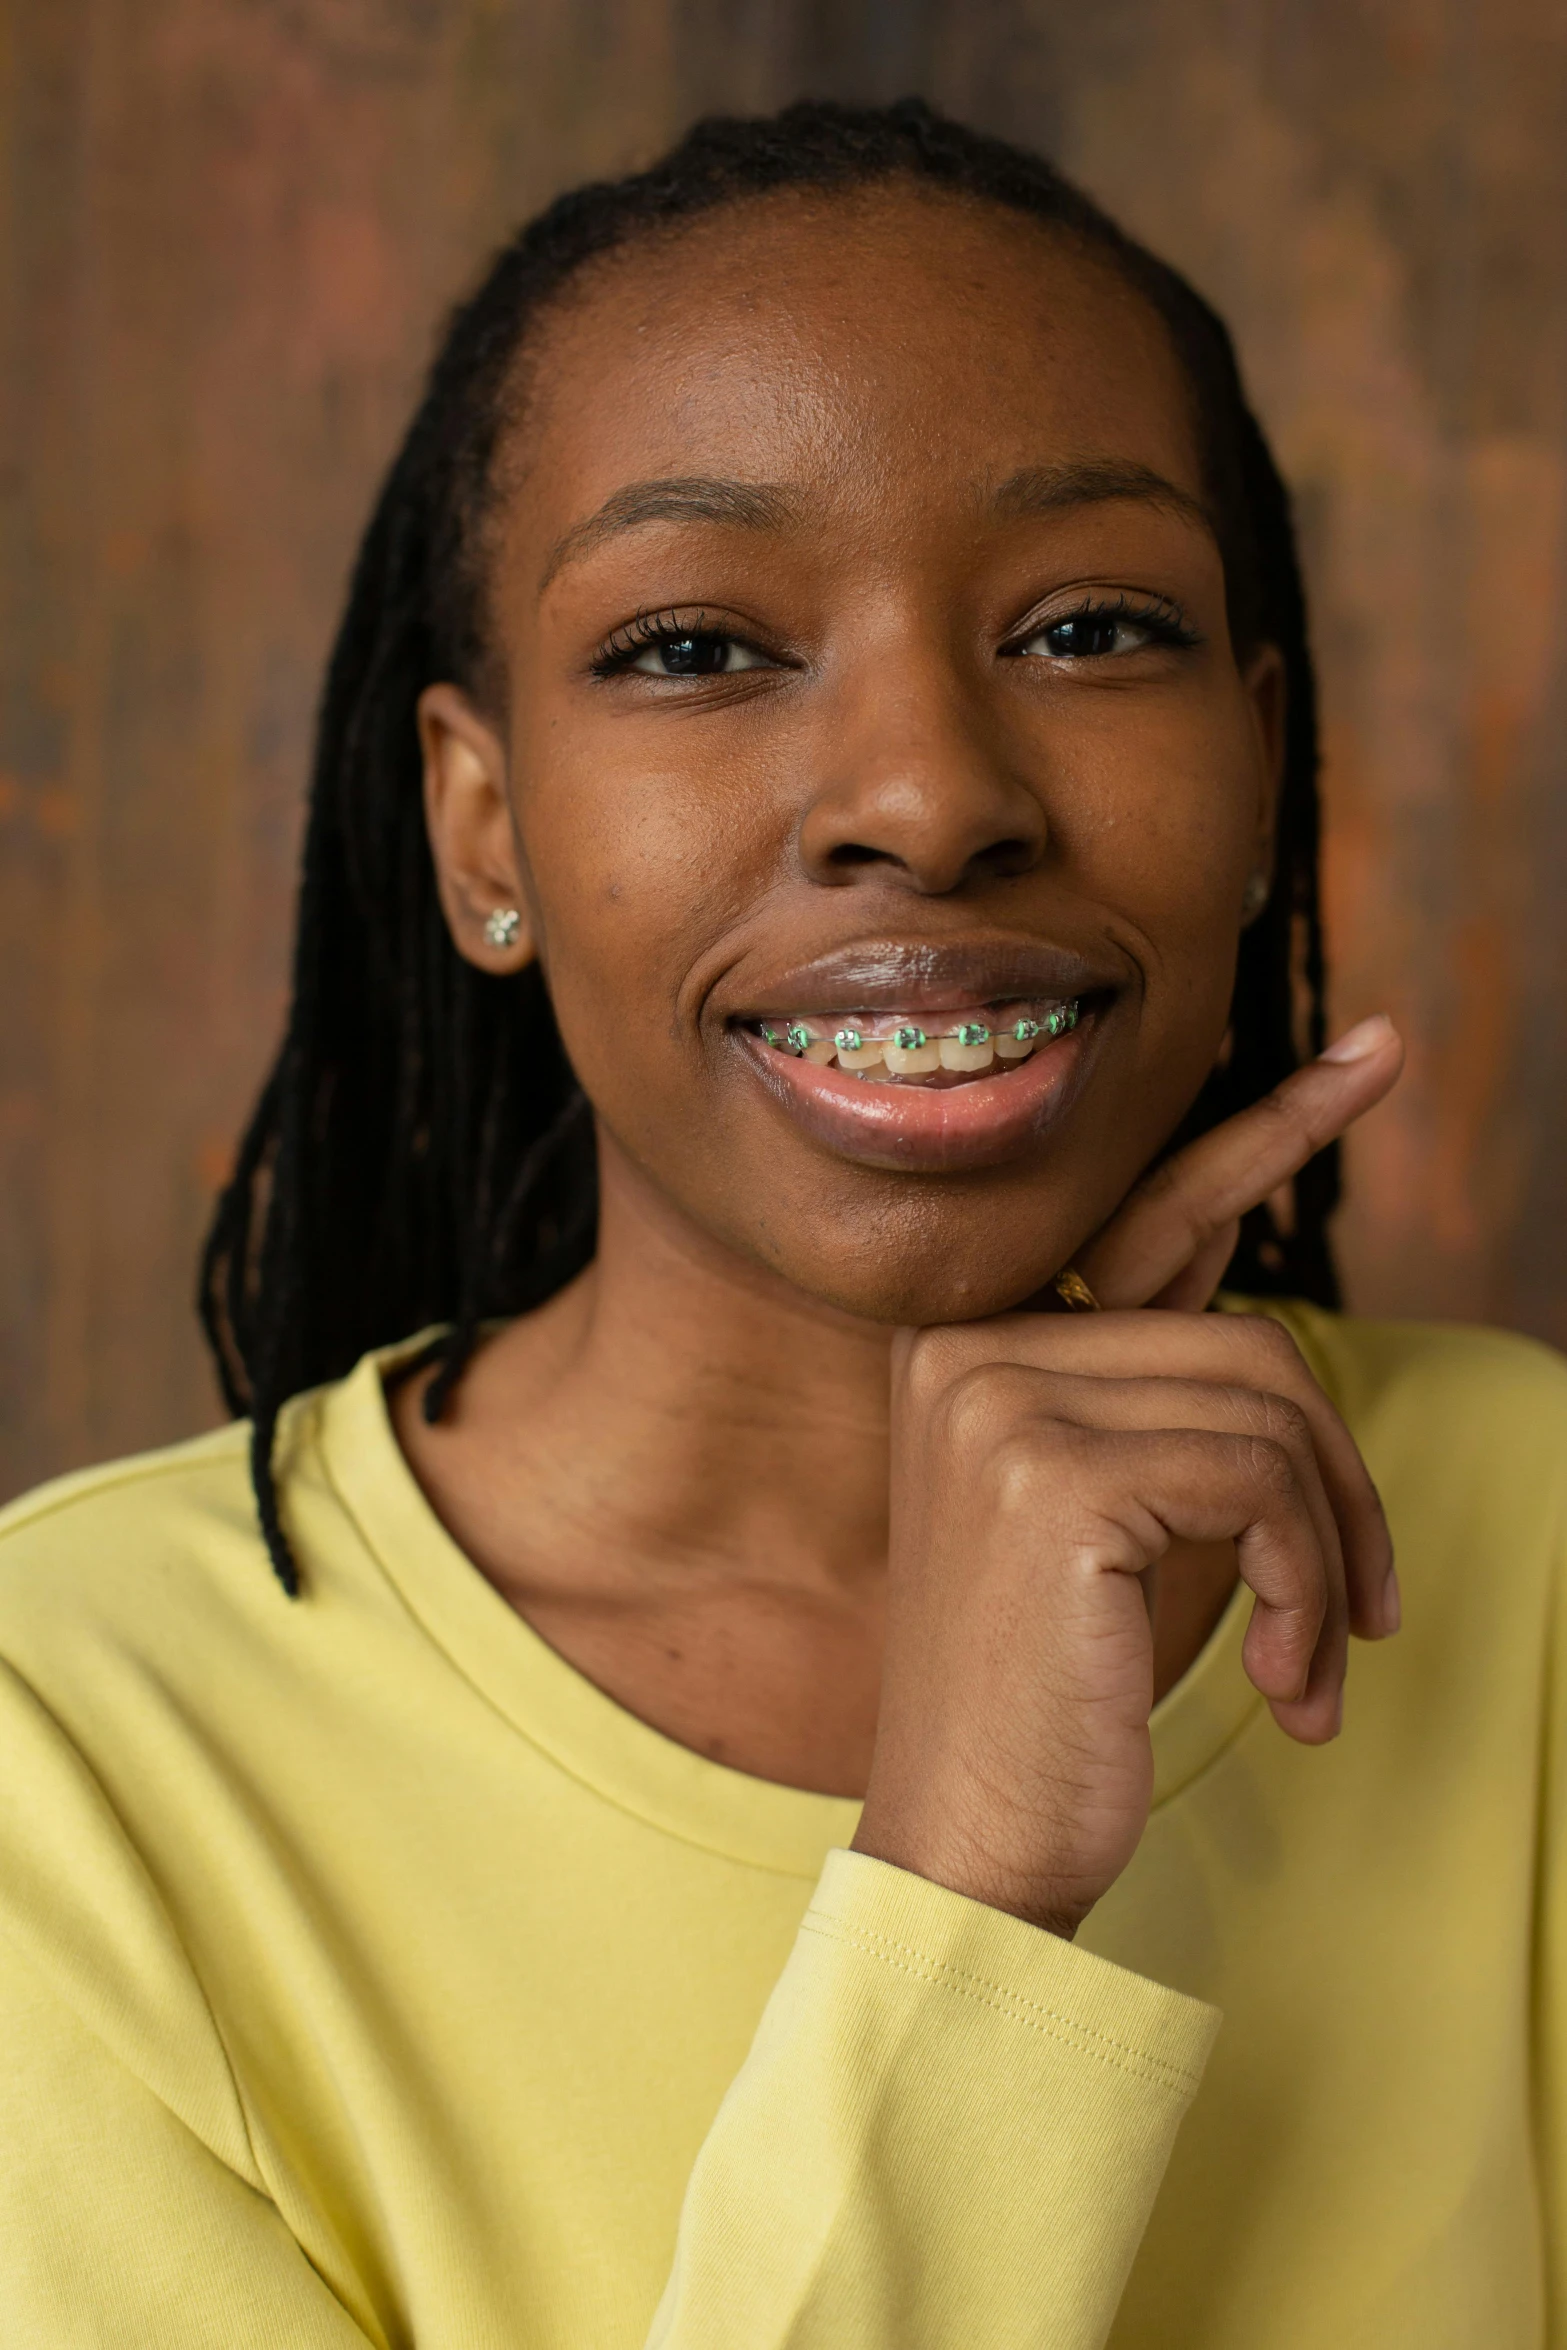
{"type": "Point", "coordinates": [634, 875]}
{"type": "Point", "coordinates": [1165, 833]}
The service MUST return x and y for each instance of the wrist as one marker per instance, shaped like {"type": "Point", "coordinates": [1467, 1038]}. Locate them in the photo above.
{"type": "Point", "coordinates": [961, 1866]}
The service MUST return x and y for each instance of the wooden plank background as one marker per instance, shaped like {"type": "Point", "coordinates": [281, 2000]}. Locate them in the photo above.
{"type": "Point", "coordinates": [230, 227]}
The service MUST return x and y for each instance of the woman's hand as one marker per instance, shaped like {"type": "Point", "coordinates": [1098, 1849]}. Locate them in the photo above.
{"type": "Point", "coordinates": [1041, 1463]}
{"type": "Point", "coordinates": [1170, 1240]}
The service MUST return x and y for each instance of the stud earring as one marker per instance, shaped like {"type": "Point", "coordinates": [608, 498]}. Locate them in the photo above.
{"type": "Point", "coordinates": [501, 927]}
{"type": "Point", "coordinates": [1255, 896]}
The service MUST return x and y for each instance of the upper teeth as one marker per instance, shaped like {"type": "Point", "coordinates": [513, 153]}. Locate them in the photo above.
{"type": "Point", "coordinates": [906, 1050]}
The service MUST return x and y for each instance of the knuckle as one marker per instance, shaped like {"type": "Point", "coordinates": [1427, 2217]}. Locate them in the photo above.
{"type": "Point", "coordinates": [1281, 1345]}
{"type": "Point", "coordinates": [1271, 1350]}
{"type": "Point", "coordinates": [1281, 1419]}
{"type": "Point", "coordinates": [930, 1361]}
{"type": "Point", "coordinates": [1272, 1340]}
{"type": "Point", "coordinates": [1271, 1470]}
{"type": "Point", "coordinates": [1012, 1469]}
{"type": "Point", "coordinates": [1019, 1465]}
{"type": "Point", "coordinates": [978, 1404]}
{"type": "Point", "coordinates": [969, 1407]}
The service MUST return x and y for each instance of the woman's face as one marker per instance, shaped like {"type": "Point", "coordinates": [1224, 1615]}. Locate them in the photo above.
{"type": "Point", "coordinates": [866, 670]}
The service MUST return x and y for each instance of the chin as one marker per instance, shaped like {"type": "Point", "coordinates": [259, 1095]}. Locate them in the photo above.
{"type": "Point", "coordinates": [916, 1284]}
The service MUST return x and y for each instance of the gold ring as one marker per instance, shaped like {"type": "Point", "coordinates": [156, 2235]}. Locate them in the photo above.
{"type": "Point", "coordinates": [1074, 1292]}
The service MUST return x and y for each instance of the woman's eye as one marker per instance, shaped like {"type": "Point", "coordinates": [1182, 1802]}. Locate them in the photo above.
{"type": "Point", "coordinates": [1088, 635]}
{"type": "Point", "coordinates": [696, 656]}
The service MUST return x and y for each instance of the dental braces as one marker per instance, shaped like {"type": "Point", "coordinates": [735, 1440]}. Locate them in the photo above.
{"type": "Point", "coordinates": [797, 1038]}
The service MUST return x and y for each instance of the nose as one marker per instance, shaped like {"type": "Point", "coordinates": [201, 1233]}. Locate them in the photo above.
{"type": "Point", "coordinates": [916, 786]}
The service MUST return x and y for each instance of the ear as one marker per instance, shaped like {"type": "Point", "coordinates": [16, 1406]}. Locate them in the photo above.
{"type": "Point", "coordinates": [1266, 690]}
{"type": "Point", "coordinates": [467, 811]}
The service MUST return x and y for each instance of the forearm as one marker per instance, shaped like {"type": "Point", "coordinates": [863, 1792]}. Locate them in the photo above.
{"type": "Point", "coordinates": [950, 2130]}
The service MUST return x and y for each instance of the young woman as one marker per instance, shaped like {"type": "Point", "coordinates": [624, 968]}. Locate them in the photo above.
{"type": "Point", "coordinates": [632, 1816]}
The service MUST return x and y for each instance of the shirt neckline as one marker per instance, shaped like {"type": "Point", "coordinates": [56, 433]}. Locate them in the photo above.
{"type": "Point", "coordinates": [589, 1735]}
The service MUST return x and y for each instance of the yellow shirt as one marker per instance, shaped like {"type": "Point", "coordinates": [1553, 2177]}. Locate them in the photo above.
{"type": "Point", "coordinates": [368, 1976]}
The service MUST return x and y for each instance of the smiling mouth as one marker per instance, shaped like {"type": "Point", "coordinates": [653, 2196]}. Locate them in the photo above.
{"type": "Point", "coordinates": [930, 1056]}
{"type": "Point", "coordinates": [928, 1052]}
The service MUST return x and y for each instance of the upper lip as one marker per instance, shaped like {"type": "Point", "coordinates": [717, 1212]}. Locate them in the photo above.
{"type": "Point", "coordinates": [927, 975]}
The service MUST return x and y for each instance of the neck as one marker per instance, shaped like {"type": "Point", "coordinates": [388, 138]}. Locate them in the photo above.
{"type": "Point", "coordinates": [677, 1471]}
{"type": "Point", "coordinates": [749, 1421]}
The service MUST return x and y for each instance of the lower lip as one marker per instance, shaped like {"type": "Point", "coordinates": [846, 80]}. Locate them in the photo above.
{"type": "Point", "coordinates": [928, 1130]}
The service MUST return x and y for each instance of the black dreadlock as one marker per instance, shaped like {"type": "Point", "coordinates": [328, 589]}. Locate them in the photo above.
{"type": "Point", "coordinates": [421, 1152]}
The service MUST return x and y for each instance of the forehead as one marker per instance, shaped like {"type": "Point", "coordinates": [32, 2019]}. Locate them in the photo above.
{"type": "Point", "coordinates": [873, 342]}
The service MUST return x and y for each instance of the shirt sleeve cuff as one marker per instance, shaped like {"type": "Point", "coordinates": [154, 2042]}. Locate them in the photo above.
{"type": "Point", "coordinates": [1042, 1983]}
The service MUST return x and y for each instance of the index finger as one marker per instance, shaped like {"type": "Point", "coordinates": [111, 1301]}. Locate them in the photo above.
{"type": "Point", "coordinates": [1179, 1207]}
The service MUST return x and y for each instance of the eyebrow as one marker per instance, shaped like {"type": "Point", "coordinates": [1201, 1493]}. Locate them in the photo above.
{"type": "Point", "coordinates": [701, 497]}
{"type": "Point", "coordinates": [1046, 489]}
{"type": "Point", "coordinates": [696, 497]}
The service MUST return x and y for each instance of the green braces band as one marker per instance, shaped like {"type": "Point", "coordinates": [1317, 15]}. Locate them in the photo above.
{"type": "Point", "coordinates": [796, 1037]}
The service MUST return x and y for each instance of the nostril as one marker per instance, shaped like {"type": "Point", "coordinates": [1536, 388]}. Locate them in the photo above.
{"type": "Point", "coordinates": [853, 852]}
{"type": "Point", "coordinates": [998, 861]}
{"type": "Point", "coordinates": [1005, 858]}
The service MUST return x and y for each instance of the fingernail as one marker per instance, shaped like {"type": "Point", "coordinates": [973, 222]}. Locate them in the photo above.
{"type": "Point", "coordinates": [1392, 1604]}
{"type": "Point", "coordinates": [1338, 1713]}
{"type": "Point", "coordinates": [1367, 1036]}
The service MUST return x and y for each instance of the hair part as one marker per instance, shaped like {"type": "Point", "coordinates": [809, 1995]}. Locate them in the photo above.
{"type": "Point", "coordinates": [421, 1153]}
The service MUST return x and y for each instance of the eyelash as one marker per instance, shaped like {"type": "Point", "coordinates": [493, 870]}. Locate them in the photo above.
{"type": "Point", "coordinates": [1161, 619]}
{"type": "Point", "coordinates": [648, 628]}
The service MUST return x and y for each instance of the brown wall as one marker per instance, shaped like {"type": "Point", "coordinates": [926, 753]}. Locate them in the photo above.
{"type": "Point", "coordinates": [231, 226]}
